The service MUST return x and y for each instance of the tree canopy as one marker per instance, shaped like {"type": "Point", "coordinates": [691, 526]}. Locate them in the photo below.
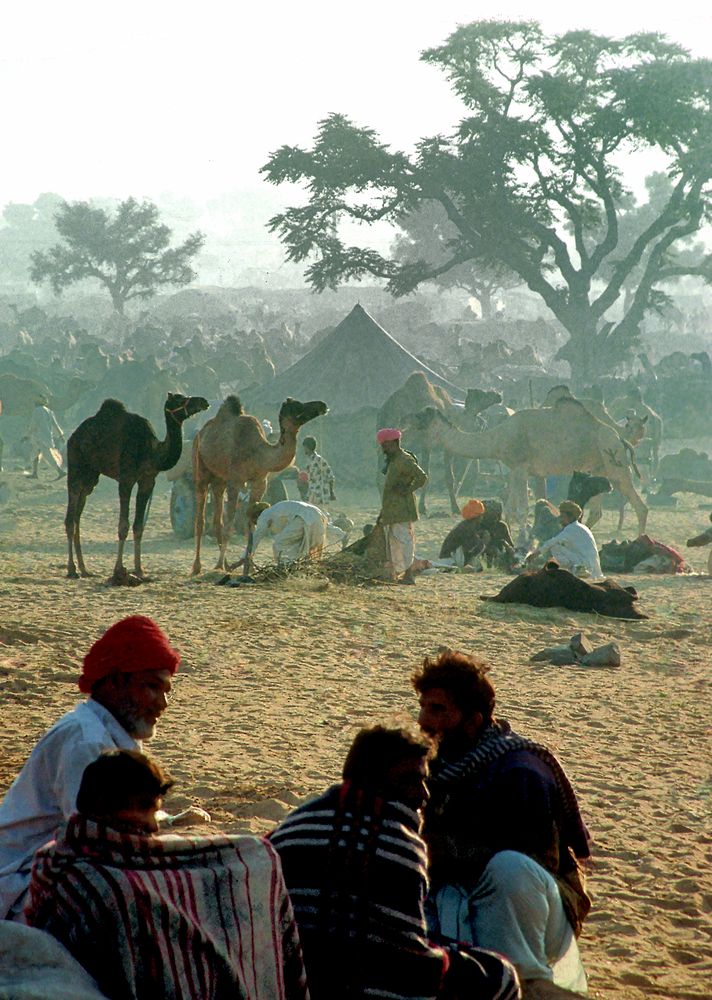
{"type": "Point", "coordinates": [532, 179]}
{"type": "Point", "coordinates": [427, 234]}
{"type": "Point", "coordinates": [128, 252]}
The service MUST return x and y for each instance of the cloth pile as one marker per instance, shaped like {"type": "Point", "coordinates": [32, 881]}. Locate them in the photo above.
{"type": "Point", "coordinates": [577, 651]}
{"type": "Point", "coordinates": [641, 555]}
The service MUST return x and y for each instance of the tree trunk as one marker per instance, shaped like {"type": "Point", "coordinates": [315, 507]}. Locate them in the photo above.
{"type": "Point", "coordinates": [484, 297]}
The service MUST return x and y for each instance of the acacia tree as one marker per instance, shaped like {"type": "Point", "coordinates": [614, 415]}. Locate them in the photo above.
{"type": "Point", "coordinates": [128, 253]}
{"type": "Point", "coordinates": [532, 178]}
{"type": "Point", "coordinates": [427, 235]}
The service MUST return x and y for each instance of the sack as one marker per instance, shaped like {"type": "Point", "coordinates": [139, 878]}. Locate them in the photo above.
{"type": "Point", "coordinates": [576, 901]}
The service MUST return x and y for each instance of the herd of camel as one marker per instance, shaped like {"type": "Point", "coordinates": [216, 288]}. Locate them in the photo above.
{"type": "Point", "coordinates": [231, 451]}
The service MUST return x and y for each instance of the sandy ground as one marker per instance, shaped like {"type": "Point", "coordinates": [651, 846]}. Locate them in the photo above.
{"type": "Point", "coordinates": [276, 679]}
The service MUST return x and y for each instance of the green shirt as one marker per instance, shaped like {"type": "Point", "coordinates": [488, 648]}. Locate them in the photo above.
{"type": "Point", "coordinates": [403, 477]}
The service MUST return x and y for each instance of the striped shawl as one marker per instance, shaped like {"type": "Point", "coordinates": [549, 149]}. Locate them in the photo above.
{"type": "Point", "coordinates": [355, 867]}
{"type": "Point", "coordinates": [170, 917]}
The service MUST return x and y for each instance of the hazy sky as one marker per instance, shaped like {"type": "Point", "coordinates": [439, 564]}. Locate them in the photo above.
{"type": "Point", "coordinates": [148, 97]}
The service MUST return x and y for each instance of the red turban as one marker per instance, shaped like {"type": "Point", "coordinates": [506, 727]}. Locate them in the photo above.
{"type": "Point", "coordinates": [133, 644]}
{"type": "Point", "coordinates": [388, 434]}
{"type": "Point", "coordinates": [473, 509]}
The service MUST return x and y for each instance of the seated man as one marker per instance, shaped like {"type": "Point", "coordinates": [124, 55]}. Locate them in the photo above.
{"type": "Point", "coordinates": [354, 863]}
{"type": "Point", "coordinates": [202, 917]}
{"type": "Point", "coordinates": [503, 829]}
{"type": "Point", "coordinates": [574, 547]}
{"type": "Point", "coordinates": [482, 532]}
{"type": "Point", "coordinates": [127, 675]}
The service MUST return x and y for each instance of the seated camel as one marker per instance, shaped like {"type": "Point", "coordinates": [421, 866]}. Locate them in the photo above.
{"type": "Point", "coordinates": [554, 587]}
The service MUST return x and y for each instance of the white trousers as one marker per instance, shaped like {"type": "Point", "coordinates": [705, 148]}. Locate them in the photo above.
{"type": "Point", "coordinates": [400, 546]}
{"type": "Point", "coordinates": [515, 909]}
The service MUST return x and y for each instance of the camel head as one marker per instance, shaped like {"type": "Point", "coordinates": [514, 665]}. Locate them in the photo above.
{"type": "Point", "coordinates": [293, 414]}
{"type": "Point", "coordinates": [634, 428]}
{"type": "Point", "coordinates": [427, 422]}
{"type": "Point", "coordinates": [181, 407]}
{"type": "Point", "coordinates": [583, 486]}
{"type": "Point", "coordinates": [478, 400]}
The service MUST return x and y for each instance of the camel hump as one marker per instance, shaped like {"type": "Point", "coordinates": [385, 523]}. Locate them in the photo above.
{"type": "Point", "coordinates": [567, 402]}
{"type": "Point", "coordinates": [232, 406]}
{"type": "Point", "coordinates": [110, 408]}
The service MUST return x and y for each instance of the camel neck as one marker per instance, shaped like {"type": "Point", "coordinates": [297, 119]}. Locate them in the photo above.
{"type": "Point", "coordinates": [483, 444]}
{"type": "Point", "coordinates": [170, 448]}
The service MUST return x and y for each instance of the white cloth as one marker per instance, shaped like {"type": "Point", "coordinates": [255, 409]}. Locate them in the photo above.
{"type": "Point", "coordinates": [321, 480]}
{"type": "Point", "coordinates": [298, 530]}
{"type": "Point", "coordinates": [515, 909]}
{"type": "Point", "coordinates": [44, 793]}
{"type": "Point", "coordinates": [400, 546]}
{"type": "Point", "coordinates": [573, 548]}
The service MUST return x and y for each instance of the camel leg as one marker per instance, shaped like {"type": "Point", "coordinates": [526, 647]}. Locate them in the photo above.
{"type": "Point", "coordinates": [142, 498]}
{"type": "Point", "coordinates": [516, 504]}
{"type": "Point", "coordinates": [232, 493]}
{"type": "Point", "coordinates": [124, 500]}
{"type": "Point", "coordinates": [81, 501]}
{"type": "Point", "coordinates": [219, 525]}
{"type": "Point", "coordinates": [595, 511]}
{"type": "Point", "coordinates": [626, 487]}
{"type": "Point", "coordinates": [71, 526]}
{"type": "Point", "coordinates": [621, 513]}
{"type": "Point", "coordinates": [426, 468]}
{"type": "Point", "coordinates": [450, 483]}
{"type": "Point", "coordinates": [201, 493]}
{"type": "Point", "coordinates": [463, 477]}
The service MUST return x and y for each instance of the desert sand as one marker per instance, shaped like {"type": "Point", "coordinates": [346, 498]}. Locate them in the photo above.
{"type": "Point", "coordinates": [277, 678]}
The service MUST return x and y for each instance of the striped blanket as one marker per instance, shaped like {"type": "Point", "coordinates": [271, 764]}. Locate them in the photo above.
{"type": "Point", "coordinates": [170, 917]}
{"type": "Point", "coordinates": [355, 867]}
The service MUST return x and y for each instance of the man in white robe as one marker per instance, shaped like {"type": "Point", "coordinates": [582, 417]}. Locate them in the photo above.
{"type": "Point", "coordinates": [574, 548]}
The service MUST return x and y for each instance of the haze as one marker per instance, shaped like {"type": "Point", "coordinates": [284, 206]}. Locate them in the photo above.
{"type": "Point", "coordinates": [159, 98]}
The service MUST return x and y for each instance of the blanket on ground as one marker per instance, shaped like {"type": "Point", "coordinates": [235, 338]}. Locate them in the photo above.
{"type": "Point", "coordinates": [172, 916]}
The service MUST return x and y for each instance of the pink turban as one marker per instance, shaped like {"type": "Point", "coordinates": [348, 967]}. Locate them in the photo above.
{"type": "Point", "coordinates": [388, 434]}
{"type": "Point", "coordinates": [472, 509]}
{"type": "Point", "coordinates": [129, 646]}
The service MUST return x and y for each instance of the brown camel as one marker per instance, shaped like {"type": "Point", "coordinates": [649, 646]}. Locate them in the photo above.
{"type": "Point", "coordinates": [123, 446]}
{"type": "Point", "coordinates": [417, 393]}
{"type": "Point", "coordinates": [230, 451]}
{"type": "Point", "coordinates": [551, 440]}
{"type": "Point", "coordinates": [631, 431]}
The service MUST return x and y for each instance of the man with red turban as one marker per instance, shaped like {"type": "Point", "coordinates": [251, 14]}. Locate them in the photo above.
{"type": "Point", "coordinates": [127, 675]}
{"type": "Point", "coordinates": [398, 510]}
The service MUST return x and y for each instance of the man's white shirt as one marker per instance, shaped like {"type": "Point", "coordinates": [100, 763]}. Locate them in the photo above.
{"type": "Point", "coordinates": [44, 793]}
{"type": "Point", "coordinates": [575, 546]}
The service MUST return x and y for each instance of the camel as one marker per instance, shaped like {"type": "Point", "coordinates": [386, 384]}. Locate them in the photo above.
{"type": "Point", "coordinates": [123, 446]}
{"type": "Point", "coordinates": [230, 451]}
{"type": "Point", "coordinates": [632, 403]}
{"type": "Point", "coordinates": [417, 393]}
{"type": "Point", "coordinates": [551, 440]}
{"type": "Point", "coordinates": [631, 431]}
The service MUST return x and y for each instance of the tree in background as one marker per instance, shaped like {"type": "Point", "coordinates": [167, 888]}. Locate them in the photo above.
{"type": "Point", "coordinates": [25, 229]}
{"type": "Point", "coordinates": [127, 251]}
{"type": "Point", "coordinates": [428, 235]}
{"type": "Point", "coordinates": [531, 179]}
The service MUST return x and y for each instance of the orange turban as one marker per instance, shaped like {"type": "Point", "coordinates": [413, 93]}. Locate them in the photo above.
{"type": "Point", "coordinates": [472, 509]}
{"type": "Point", "coordinates": [129, 646]}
